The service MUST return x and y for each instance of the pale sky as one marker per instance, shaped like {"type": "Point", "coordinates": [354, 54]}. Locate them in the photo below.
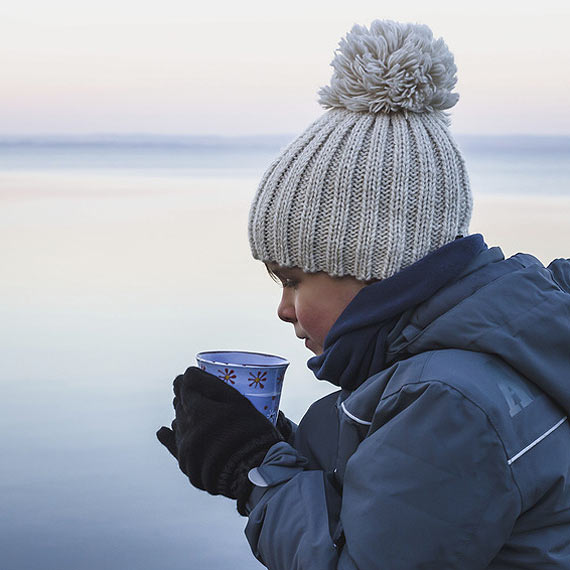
{"type": "Point", "coordinates": [254, 66]}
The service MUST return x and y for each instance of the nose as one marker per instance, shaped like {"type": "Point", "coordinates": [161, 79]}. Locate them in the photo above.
{"type": "Point", "coordinates": [286, 308]}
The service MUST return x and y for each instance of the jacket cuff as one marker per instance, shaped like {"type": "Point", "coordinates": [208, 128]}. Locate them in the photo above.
{"type": "Point", "coordinates": [281, 463]}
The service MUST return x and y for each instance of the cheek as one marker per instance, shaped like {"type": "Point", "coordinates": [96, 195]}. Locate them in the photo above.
{"type": "Point", "coordinates": [316, 319]}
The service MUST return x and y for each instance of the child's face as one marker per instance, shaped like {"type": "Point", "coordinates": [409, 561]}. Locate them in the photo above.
{"type": "Point", "coordinates": [312, 302]}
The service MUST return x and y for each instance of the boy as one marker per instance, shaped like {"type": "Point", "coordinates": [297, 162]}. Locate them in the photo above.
{"type": "Point", "coordinates": [447, 445]}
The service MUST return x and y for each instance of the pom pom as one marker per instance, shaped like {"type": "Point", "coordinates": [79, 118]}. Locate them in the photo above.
{"type": "Point", "coordinates": [392, 67]}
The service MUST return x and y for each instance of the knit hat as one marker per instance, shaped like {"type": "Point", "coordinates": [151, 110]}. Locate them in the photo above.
{"type": "Point", "coordinates": [377, 182]}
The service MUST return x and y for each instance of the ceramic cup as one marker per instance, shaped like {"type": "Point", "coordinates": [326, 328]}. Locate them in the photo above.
{"type": "Point", "coordinates": [258, 376]}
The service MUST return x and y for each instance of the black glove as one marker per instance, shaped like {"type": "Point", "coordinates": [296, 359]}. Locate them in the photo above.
{"type": "Point", "coordinates": [284, 426]}
{"type": "Point", "coordinates": [217, 435]}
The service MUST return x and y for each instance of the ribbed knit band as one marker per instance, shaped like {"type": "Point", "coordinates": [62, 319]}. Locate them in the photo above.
{"type": "Point", "coordinates": [362, 194]}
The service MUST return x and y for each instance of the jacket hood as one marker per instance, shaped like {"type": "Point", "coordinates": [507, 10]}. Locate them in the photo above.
{"type": "Point", "coordinates": [514, 308]}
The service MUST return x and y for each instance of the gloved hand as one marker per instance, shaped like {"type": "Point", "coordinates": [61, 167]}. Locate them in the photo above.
{"type": "Point", "coordinates": [217, 435]}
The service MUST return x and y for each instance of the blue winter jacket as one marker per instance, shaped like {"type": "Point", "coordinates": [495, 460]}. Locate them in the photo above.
{"type": "Point", "coordinates": [455, 456]}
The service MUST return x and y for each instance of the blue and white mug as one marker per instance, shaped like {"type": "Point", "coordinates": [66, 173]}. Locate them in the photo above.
{"type": "Point", "coordinates": [258, 376]}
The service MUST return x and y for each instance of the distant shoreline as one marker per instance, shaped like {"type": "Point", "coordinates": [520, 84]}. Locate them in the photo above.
{"type": "Point", "coordinates": [511, 165]}
{"type": "Point", "coordinates": [534, 143]}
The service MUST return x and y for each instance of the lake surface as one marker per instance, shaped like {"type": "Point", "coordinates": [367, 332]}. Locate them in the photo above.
{"type": "Point", "coordinates": [122, 258]}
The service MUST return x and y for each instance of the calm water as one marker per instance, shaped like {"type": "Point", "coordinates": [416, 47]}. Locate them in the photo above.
{"type": "Point", "coordinates": [121, 260]}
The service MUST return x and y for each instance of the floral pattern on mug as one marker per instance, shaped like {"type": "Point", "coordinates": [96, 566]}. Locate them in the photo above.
{"type": "Point", "coordinates": [256, 381]}
{"type": "Point", "coordinates": [227, 375]}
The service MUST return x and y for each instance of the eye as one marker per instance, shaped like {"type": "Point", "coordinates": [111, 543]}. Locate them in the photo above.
{"type": "Point", "coordinates": [288, 283]}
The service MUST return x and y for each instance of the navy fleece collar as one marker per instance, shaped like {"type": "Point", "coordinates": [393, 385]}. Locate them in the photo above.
{"type": "Point", "coordinates": [354, 348]}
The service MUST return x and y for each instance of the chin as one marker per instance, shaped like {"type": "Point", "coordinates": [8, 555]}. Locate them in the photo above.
{"type": "Point", "coordinates": [315, 350]}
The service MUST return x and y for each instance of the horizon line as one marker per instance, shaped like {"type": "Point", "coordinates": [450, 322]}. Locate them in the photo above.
{"type": "Point", "coordinates": [217, 136]}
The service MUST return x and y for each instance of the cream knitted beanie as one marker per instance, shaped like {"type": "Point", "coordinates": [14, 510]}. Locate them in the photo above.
{"type": "Point", "coordinates": [377, 182]}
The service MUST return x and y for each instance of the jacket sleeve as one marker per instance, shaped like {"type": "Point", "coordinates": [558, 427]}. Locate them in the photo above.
{"type": "Point", "coordinates": [429, 487]}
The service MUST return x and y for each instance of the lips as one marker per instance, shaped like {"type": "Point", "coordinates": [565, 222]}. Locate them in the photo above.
{"type": "Point", "coordinates": [305, 338]}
